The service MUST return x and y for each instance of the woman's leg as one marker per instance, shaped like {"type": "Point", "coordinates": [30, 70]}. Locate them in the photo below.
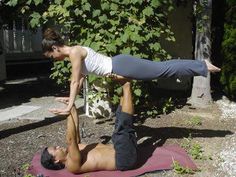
{"type": "Point", "coordinates": [142, 69]}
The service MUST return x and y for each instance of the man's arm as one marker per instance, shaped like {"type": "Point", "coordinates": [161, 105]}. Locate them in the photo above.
{"type": "Point", "coordinates": [76, 120]}
{"type": "Point", "coordinates": [73, 163]}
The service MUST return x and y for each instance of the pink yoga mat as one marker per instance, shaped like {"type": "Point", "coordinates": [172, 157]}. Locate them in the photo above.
{"type": "Point", "coordinates": [161, 159]}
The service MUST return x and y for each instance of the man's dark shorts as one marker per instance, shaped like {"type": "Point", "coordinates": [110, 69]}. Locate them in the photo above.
{"type": "Point", "coordinates": [124, 141]}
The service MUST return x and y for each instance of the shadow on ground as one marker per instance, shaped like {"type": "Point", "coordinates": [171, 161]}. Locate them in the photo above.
{"type": "Point", "coordinates": [47, 121]}
{"type": "Point", "coordinates": [15, 93]}
{"type": "Point", "coordinates": [27, 81]}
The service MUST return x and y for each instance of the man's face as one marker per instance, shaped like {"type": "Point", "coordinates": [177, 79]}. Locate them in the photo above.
{"type": "Point", "coordinates": [59, 153]}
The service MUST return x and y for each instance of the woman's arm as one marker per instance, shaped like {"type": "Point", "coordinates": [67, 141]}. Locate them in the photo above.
{"type": "Point", "coordinates": [76, 62]}
{"type": "Point", "coordinates": [76, 81]}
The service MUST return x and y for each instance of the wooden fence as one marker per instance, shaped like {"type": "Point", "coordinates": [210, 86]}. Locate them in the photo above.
{"type": "Point", "coordinates": [17, 38]}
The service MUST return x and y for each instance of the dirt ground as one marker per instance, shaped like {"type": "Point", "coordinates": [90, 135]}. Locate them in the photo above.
{"type": "Point", "coordinates": [19, 140]}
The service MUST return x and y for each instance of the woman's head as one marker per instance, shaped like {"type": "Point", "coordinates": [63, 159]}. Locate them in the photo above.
{"type": "Point", "coordinates": [51, 43]}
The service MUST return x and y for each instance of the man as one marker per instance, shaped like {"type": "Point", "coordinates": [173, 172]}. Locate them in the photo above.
{"type": "Point", "coordinates": [81, 158]}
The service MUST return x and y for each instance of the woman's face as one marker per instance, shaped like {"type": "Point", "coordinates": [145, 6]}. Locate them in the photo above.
{"type": "Point", "coordinates": [54, 54]}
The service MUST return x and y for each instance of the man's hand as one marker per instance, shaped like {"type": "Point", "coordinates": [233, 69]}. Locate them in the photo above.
{"type": "Point", "coordinates": [59, 111]}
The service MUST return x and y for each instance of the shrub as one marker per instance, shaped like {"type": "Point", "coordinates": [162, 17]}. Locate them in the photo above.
{"type": "Point", "coordinates": [228, 76]}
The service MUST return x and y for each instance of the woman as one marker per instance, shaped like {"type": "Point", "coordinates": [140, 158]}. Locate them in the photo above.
{"type": "Point", "coordinates": [86, 61]}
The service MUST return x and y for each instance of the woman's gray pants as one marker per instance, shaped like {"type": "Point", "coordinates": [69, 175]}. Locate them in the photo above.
{"type": "Point", "coordinates": [142, 69]}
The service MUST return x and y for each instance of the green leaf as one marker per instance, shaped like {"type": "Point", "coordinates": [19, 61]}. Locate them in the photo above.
{"type": "Point", "coordinates": [111, 48]}
{"type": "Point", "coordinates": [12, 3]}
{"type": "Point", "coordinates": [105, 6]}
{"type": "Point", "coordinates": [119, 90]}
{"type": "Point", "coordinates": [148, 11]}
{"type": "Point", "coordinates": [35, 17]}
{"type": "Point", "coordinates": [170, 8]}
{"type": "Point", "coordinates": [92, 78]}
{"type": "Point", "coordinates": [124, 37]}
{"type": "Point", "coordinates": [96, 12]}
{"type": "Point", "coordinates": [156, 46]}
{"type": "Point", "coordinates": [114, 7]}
{"type": "Point", "coordinates": [125, 2]}
{"type": "Point", "coordinates": [113, 12]}
{"type": "Point", "coordinates": [95, 46]}
{"type": "Point", "coordinates": [37, 2]}
{"type": "Point", "coordinates": [136, 2]}
{"type": "Point", "coordinates": [86, 7]}
{"type": "Point", "coordinates": [103, 18]}
{"type": "Point", "coordinates": [58, 2]}
{"type": "Point", "coordinates": [126, 50]}
{"type": "Point", "coordinates": [155, 3]}
{"type": "Point", "coordinates": [28, 2]}
{"type": "Point", "coordinates": [78, 12]}
{"type": "Point", "coordinates": [118, 42]}
{"type": "Point", "coordinates": [137, 92]}
{"type": "Point", "coordinates": [68, 3]}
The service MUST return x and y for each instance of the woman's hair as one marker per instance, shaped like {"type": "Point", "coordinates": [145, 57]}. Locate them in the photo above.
{"type": "Point", "coordinates": [51, 37]}
{"type": "Point", "coordinates": [47, 161]}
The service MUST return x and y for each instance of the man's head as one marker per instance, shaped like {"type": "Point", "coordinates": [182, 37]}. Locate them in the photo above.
{"type": "Point", "coordinates": [53, 158]}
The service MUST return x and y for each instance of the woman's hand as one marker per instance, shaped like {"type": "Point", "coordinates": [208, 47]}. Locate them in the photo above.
{"type": "Point", "coordinates": [59, 111]}
{"type": "Point", "coordinates": [64, 100]}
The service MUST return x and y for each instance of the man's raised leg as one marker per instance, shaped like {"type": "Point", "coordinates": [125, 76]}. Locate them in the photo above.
{"type": "Point", "coordinates": [127, 103]}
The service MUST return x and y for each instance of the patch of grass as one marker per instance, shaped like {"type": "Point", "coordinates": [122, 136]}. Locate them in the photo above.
{"type": "Point", "coordinates": [186, 144]}
{"type": "Point", "coordinates": [194, 149]}
{"type": "Point", "coordinates": [24, 169]}
{"type": "Point", "coordinates": [195, 121]}
{"type": "Point", "coordinates": [179, 169]}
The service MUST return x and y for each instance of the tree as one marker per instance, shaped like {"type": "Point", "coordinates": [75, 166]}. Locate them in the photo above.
{"type": "Point", "coordinates": [228, 74]}
{"type": "Point", "coordinates": [201, 90]}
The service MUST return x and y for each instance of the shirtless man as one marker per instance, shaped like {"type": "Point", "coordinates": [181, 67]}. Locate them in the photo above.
{"type": "Point", "coordinates": [81, 158]}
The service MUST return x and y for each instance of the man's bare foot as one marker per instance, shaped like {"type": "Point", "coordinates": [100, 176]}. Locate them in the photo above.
{"type": "Point", "coordinates": [127, 85]}
{"type": "Point", "coordinates": [212, 68]}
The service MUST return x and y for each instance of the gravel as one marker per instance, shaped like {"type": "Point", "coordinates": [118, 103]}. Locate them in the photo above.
{"type": "Point", "coordinates": [227, 108]}
{"type": "Point", "coordinates": [227, 156]}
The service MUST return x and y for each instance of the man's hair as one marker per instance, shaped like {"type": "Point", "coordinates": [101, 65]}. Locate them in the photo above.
{"type": "Point", "coordinates": [47, 161]}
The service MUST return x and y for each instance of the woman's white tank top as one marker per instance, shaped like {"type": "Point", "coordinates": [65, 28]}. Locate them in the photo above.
{"type": "Point", "coordinates": [96, 63]}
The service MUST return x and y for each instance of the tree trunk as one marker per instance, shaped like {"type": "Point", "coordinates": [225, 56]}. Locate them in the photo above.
{"type": "Point", "coordinates": [201, 90]}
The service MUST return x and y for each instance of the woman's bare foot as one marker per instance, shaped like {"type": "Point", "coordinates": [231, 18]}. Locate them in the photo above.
{"type": "Point", "coordinates": [212, 68]}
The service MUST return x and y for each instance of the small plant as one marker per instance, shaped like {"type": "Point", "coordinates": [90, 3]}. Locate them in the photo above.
{"type": "Point", "coordinates": [187, 142]}
{"type": "Point", "coordinates": [168, 105]}
{"type": "Point", "coordinates": [61, 72]}
{"type": "Point", "coordinates": [24, 168]}
{"type": "Point", "coordinates": [179, 169]}
{"type": "Point", "coordinates": [195, 121]}
{"type": "Point", "coordinates": [28, 175]}
{"type": "Point", "coordinates": [196, 151]}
